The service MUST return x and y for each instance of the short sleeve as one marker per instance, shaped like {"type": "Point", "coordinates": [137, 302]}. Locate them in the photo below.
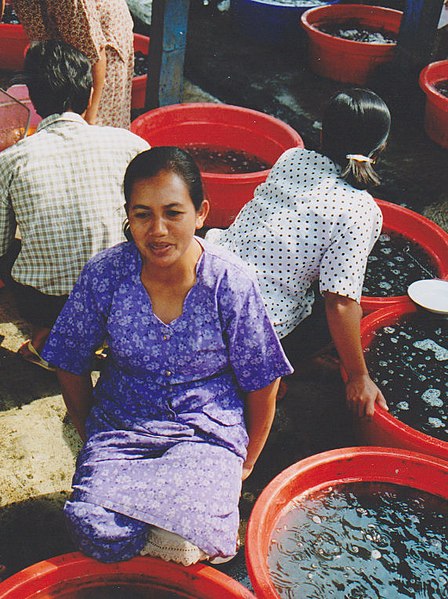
{"type": "Point", "coordinates": [344, 262]}
{"type": "Point", "coordinates": [81, 326]}
{"type": "Point", "coordinates": [7, 218]}
{"type": "Point", "coordinates": [256, 355]}
{"type": "Point", "coordinates": [79, 24]}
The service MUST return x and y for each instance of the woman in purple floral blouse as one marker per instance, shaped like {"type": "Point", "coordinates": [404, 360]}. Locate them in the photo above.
{"type": "Point", "coordinates": [186, 398]}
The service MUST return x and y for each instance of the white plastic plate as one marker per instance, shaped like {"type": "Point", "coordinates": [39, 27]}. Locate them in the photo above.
{"type": "Point", "coordinates": [431, 294]}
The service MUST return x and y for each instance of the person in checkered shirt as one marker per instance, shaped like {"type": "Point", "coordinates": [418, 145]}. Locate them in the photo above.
{"type": "Point", "coordinates": [62, 187]}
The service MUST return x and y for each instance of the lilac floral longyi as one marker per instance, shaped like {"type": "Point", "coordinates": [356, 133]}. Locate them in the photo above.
{"type": "Point", "coordinates": [166, 436]}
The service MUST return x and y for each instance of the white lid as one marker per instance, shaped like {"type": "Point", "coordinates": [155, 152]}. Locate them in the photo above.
{"type": "Point", "coordinates": [431, 294]}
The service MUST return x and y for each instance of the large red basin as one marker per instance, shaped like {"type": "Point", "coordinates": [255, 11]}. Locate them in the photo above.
{"type": "Point", "coordinates": [233, 127]}
{"type": "Point", "coordinates": [383, 428]}
{"type": "Point", "coordinates": [355, 464]}
{"type": "Point", "coordinates": [346, 60]}
{"type": "Point", "coordinates": [418, 229]}
{"type": "Point", "coordinates": [73, 572]}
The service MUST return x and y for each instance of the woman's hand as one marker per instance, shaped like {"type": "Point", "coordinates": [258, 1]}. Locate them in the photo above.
{"type": "Point", "coordinates": [344, 317]}
{"type": "Point", "coordinates": [362, 394]}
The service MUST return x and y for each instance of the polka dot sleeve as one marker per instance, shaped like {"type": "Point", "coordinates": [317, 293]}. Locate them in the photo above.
{"type": "Point", "coordinates": [344, 262]}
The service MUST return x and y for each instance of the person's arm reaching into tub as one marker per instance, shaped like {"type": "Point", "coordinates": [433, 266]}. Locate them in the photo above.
{"type": "Point", "coordinates": [259, 414]}
{"type": "Point", "coordinates": [344, 317]}
{"type": "Point", "coordinates": [78, 397]}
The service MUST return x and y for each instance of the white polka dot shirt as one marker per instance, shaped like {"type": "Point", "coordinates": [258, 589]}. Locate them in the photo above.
{"type": "Point", "coordinates": [304, 224]}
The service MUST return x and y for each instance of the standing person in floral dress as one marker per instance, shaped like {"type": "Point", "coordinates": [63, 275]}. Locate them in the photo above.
{"type": "Point", "coordinates": [102, 30]}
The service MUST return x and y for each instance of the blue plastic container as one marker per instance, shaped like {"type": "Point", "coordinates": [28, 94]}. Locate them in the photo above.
{"type": "Point", "coordinates": [272, 23]}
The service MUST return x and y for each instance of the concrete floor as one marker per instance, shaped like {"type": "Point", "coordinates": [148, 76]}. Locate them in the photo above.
{"type": "Point", "coordinates": [38, 444]}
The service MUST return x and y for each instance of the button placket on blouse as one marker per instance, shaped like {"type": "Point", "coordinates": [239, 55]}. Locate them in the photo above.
{"type": "Point", "coordinates": [166, 336]}
{"type": "Point", "coordinates": [168, 373]}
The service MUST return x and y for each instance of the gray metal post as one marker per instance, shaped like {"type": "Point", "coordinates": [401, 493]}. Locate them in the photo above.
{"type": "Point", "coordinates": [417, 35]}
{"type": "Point", "coordinates": [169, 24]}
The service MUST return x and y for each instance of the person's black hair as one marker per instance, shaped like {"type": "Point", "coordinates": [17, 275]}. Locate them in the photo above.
{"type": "Point", "coordinates": [171, 159]}
{"type": "Point", "coordinates": [58, 77]}
{"type": "Point", "coordinates": [356, 123]}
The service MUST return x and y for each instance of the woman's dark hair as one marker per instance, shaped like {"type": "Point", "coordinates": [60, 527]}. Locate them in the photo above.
{"type": "Point", "coordinates": [356, 123]}
{"type": "Point", "coordinates": [171, 159]}
{"type": "Point", "coordinates": [58, 78]}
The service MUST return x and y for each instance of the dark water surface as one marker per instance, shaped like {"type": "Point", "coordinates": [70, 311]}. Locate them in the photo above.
{"type": "Point", "coordinates": [409, 362]}
{"type": "Point", "coordinates": [442, 87]}
{"type": "Point", "coordinates": [393, 264]}
{"type": "Point", "coordinates": [297, 3]}
{"type": "Point", "coordinates": [140, 64]}
{"type": "Point", "coordinates": [9, 16]}
{"type": "Point", "coordinates": [362, 541]}
{"type": "Point", "coordinates": [225, 161]}
{"type": "Point", "coordinates": [117, 591]}
{"type": "Point", "coordinates": [354, 31]}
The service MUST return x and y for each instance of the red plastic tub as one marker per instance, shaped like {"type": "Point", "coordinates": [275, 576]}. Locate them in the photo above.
{"type": "Point", "coordinates": [436, 109]}
{"type": "Point", "coordinates": [383, 428]}
{"type": "Point", "coordinates": [347, 60]}
{"type": "Point", "coordinates": [141, 44]}
{"type": "Point", "coordinates": [233, 127]}
{"type": "Point", "coordinates": [369, 464]}
{"type": "Point", "coordinates": [13, 41]}
{"type": "Point", "coordinates": [74, 572]}
{"type": "Point", "coordinates": [418, 229]}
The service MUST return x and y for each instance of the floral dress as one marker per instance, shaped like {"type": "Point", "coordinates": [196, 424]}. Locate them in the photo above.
{"type": "Point", "coordinates": [90, 25]}
{"type": "Point", "coordinates": [166, 435]}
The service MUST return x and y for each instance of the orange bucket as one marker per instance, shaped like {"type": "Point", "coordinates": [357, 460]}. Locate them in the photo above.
{"type": "Point", "coordinates": [383, 428]}
{"type": "Point", "coordinates": [73, 572]}
{"type": "Point", "coordinates": [141, 44]}
{"type": "Point", "coordinates": [436, 109]}
{"type": "Point", "coordinates": [224, 125]}
{"type": "Point", "coordinates": [418, 229]}
{"type": "Point", "coordinates": [321, 471]}
{"type": "Point", "coordinates": [346, 60]}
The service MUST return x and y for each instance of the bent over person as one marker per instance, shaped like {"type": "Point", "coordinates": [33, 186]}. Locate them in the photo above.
{"type": "Point", "coordinates": [313, 221]}
{"type": "Point", "coordinates": [62, 186]}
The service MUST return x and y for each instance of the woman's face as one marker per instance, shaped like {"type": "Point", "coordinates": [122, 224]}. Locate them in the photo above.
{"type": "Point", "coordinates": [163, 219]}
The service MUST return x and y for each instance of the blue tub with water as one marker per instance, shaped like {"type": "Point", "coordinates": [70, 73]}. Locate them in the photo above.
{"type": "Point", "coordinates": [273, 22]}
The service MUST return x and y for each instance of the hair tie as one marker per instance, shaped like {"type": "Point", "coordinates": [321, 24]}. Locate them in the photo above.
{"type": "Point", "coordinates": [359, 158]}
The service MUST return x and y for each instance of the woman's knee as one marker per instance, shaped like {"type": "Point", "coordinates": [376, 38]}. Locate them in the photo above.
{"type": "Point", "coordinates": [103, 534]}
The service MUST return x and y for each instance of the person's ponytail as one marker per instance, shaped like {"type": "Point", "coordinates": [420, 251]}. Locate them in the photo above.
{"type": "Point", "coordinates": [355, 128]}
{"type": "Point", "coordinates": [359, 171]}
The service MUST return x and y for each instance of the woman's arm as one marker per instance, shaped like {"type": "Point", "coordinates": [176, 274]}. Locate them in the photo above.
{"type": "Point", "coordinates": [259, 413]}
{"type": "Point", "coordinates": [78, 397]}
{"type": "Point", "coordinates": [344, 317]}
{"type": "Point", "coordinates": [99, 75]}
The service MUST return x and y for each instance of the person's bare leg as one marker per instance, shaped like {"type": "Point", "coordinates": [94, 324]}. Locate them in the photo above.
{"type": "Point", "coordinates": [39, 336]}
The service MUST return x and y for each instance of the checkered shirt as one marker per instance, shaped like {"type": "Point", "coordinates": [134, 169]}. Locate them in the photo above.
{"type": "Point", "coordinates": [63, 187]}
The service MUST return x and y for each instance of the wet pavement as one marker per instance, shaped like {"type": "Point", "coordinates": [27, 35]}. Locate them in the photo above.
{"type": "Point", "coordinates": [39, 444]}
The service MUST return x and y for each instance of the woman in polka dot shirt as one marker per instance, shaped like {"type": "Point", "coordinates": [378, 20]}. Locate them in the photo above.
{"type": "Point", "coordinates": [313, 221]}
